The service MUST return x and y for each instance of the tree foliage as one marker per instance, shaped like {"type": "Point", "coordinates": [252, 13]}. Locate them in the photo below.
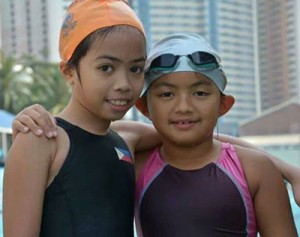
{"type": "Point", "coordinates": [29, 81]}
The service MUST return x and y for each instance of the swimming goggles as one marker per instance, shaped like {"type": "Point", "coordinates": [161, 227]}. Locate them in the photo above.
{"type": "Point", "coordinates": [200, 60]}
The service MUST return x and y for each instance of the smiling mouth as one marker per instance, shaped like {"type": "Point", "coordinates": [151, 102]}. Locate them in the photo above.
{"type": "Point", "coordinates": [183, 122]}
{"type": "Point", "coordinates": [119, 102]}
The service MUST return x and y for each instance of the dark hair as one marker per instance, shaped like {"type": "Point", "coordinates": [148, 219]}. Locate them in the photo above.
{"type": "Point", "coordinates": [84, 46]}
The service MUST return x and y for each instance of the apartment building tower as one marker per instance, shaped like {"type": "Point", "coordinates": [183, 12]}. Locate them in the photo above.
{"type": "Point", "coordinates": [230, 28]}
{"type": "Point", "coordinates": [31, 27]}
{"type": "Point", "coordinates": [278, 35]}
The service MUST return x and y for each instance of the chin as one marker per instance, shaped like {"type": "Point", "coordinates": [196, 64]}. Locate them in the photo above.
{"type": "Point", "coordinates": [185, 143]}
{"type": "Point", "coordinates": [111, 118]}
{"type": "Point", "coordinates": [119, 117]}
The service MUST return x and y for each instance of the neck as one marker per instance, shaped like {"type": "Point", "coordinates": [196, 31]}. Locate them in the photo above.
{"type": "Point", "coordinates": [193, 157]}
{"type": "Point", "coordinates": [81, 117]}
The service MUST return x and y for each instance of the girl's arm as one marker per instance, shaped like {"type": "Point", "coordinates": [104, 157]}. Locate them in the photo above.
{"type": "Point", "coordinates": [25, 181]}
{"type": "Point", "coordinates": [289, 172]}
{"type": "Point", "coordinates": [36, 119]}
{"type": "Point", "coordinates": [141, 135]}
{"type": "Point", "coordinates": [269, 195]}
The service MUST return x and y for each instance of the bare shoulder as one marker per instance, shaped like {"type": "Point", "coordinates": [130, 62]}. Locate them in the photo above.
{"type": "Point", "coordinates": [249, 156]}
{"type": "Point", "coordinates": [29, 150]}
{"type": "Point", "coordinates": [31, 157]}
{"type": "Point", "coordinates": [257, 167]}
{"type": "Point", "coordinates": [267, 187]}
{"type": "Point", "coordinates": [26, 177]}
{"type": "Point", "coordinates": [30, 144]}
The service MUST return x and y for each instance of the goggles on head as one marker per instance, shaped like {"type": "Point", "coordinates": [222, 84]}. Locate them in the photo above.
{"type": "Point", "coordinates": [200, 60]}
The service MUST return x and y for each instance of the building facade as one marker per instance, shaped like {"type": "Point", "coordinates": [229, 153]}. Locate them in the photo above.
{"type": "Point", "coordinates": [279, 51]}
{"type": "Point", "coordinates": [30, 27]}
{"type": "Point", "coordinates": [257, 40]}
{"type": "Point", "coordinates": [230, 28]}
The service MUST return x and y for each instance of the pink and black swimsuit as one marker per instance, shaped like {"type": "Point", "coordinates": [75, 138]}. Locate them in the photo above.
{"type": "Point", "coordinates": [212, 201]}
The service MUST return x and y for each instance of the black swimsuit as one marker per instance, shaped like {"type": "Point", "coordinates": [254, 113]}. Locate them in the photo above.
{"type": "Point", "coordinates": [93, 193]}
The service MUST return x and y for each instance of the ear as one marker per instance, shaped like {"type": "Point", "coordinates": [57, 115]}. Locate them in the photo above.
{"type": "Point", "coordinates": [68, 73]}
{"type": "Point", "coordinates": [226, 103]}
{"type": "Point", "coordinates": [142, 106]}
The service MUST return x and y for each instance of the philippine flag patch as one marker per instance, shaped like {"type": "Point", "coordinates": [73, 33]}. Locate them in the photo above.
{"type": "Point", "coordinates": [123, 155]}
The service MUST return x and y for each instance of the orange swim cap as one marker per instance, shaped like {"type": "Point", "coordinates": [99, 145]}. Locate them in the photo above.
{"type": "Point", "coordinates": [85, 16]}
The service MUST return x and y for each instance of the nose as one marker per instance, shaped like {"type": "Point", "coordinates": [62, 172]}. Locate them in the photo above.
{"type": "Point", "coordinates": [183, 104]}
{"type": "Point", "coordinates": [122, 82]}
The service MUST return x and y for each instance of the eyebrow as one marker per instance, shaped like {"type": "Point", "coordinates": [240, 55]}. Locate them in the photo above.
{"type": "Point", "coordinates": [163, 83]}
{"type": "Point", "coordinates": [202, 82]}
{"type": "Point", "coordinates": [198, 83]}
{"type": "Point", "coordinates": [141, 59]}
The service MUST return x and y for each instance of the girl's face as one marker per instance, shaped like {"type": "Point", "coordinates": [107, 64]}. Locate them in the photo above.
{"type": "Point", "coordinates": [110, 76]}
{"type": "Point", "coordinates": [184, 107]}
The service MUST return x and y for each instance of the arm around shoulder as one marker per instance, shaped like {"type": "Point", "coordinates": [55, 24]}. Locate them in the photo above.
{"type": "Point", "coordinates": [140, 136]}
{"type": "Point", "coordinates": [269, 195]}
{"type": "Point", "coordinates": [289, 172]}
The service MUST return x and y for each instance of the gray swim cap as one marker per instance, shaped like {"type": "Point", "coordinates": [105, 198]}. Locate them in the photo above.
{"type": "Point", "coordinates": [183, 44]}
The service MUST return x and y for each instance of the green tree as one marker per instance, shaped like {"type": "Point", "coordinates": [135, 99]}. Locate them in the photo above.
{"type": "Point", "coordinates": [10, 72]}
{"type": "Point", "coordinates": [30, 81]}
{"type": "Point", "coordinates": [48, 88]}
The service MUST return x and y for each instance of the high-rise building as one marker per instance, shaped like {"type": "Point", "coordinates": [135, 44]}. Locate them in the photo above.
{"type": "Point", "coordinates": [31, 27]}
{"type": "Point", "coordinates": [278, 35]}
{"type": "Point", "coordinates": [230, 28]}
{"type": "Point", "coordinates": [257, 40]}
{"type": "Point", "coordinates": [162, 17]}
{"type": "Point", "coordinates": [233, 35]}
